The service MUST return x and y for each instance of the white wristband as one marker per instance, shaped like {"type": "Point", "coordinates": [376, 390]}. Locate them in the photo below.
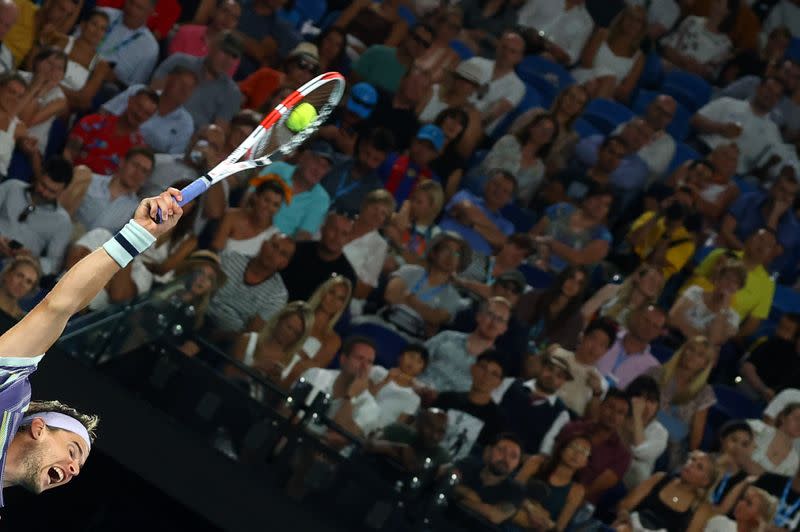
{"type": "Point", "coordinates": [132, 240]}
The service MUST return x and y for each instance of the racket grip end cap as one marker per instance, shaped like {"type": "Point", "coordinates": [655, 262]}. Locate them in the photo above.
{"type": "Point", "coordinates": [188, 193]}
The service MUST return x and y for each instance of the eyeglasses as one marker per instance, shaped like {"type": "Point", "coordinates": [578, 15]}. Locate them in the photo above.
{"type": "Point", "coordinates": [497, 318]}
{"type": "Point", "coordinates": [422, 41]}
{"type": "Point", "coordinates": [25, 213]}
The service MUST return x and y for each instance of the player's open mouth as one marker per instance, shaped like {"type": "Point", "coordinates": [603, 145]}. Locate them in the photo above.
{"type": "Point", "coordinates": [55, 474]}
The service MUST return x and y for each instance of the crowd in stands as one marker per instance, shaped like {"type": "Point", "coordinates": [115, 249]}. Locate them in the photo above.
{"type": "Point", "coordinates": [551, 242]}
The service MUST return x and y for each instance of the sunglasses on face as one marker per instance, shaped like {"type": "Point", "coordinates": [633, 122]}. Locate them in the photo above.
{"type": "Point", "coordinates": [421, 40]}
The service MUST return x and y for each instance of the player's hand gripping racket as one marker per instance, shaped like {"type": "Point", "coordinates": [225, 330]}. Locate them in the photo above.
{"type": "Point", "coordinates": [281, 132]}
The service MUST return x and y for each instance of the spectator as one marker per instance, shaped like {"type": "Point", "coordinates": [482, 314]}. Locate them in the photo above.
{"type": "Point", "coordinates": [401, 172]}
{"type": "Point", "coordinates": [583, 394]}
{"type": "Point", "coordinates": [709, 313]}
{"type": "Point", "coordinates": [194, 39]}
{"type": "Point", "coordinates": [399, 109]}
{"type": "Point", "coordinates": [216, 98]}
{"type": "Point", "coordinates": [412, 229]}
{"type": "Point", "coordinates": [700, 44]}
{"type": "Point", "coordinates": [108, 200]}
{"type": "Point", "coordinates": [645, 435]}
{"type": "Point", "coordinates": [505, 90]}
{"type": "Point", "coordinates": [44, 99]}
{"type": "Point", "coordinates": [476, 419]}
{"type": "Point", "coordinates": [613, 58]}
{"type": "Point", "coordinates": [746, 123]}
{"type": "Point", "coordinates": [710, 182]}
{"type": "Point", "coordinates": [785, 13]}
{"type": "Point", "coordinates": [661, 238]}
{"type": "Point", "coordinates": [31, 220]}
{"type": "Point", "coordinates": [440, 58]}
{"type": "Point", "coordinates": [346, 130]}
{"type": "Point", "coordinates": [420, 299]}
{"type": "Point", "coordinates": [774, 450]}
{"type": "Point", "coordinates": [773, 365]}
{"type": "Point", "coordinates": [754, 300]}
{"type": "Point", "coordinates": [784, 398]}
{"type": "Point", "coordinates": [384, 66]}
{"type": "Point", "coordinates": [735, 449]}
{"type": "Point", "coordinates": [205, 150]}
{"type": "Point", "coordinates": [415, 447]}
{"type": "Point", "coordinates": [553, 313]}
{"type": "Point", "coordinates": [101, 141]}
{"type": "Point", "coordinates": [170, 128]}
{"type": "Point", "coordinates": [19, 278]}
{"type": "Point", "coordinates": [479, 219]}
{"type": "Point", "coordinates": [9, 12]}
{"type": "Point", "coordinates": [316, 262]}
{"type": "Point", "coordinates": [133, 57]}
{"type": "Point", "coordinates": [755, 511]}
{"type": "Point", "coordinates": [531, 408]}
{"type": "Point", "coordinates": [787, 514]}
{"type": "Point", "coordinates": [271, 350]}
{"type": "Point", "coordinates": [483, 25]}
{"type": "Point", "coordinates": [771, 210]}
{"type": "Point", "coordinates": [574, 236]}
{"type": "Point", "coordinates": [755, 61]}
{"type": "Point", "coordinates": [630, 355]}
{"type": "Point", "coordinates": [85, 69]}
{"type": "Point", "coordinates": [266, 37]}
{"type": "Point", "coordinates": [487, 488]}
{"type": "Point", "coordinates": [686, 396]}
{"type": "Point", "coordinates": [557, 472]}
{"type": "Point", "coordinates": [328, 302]}
{"type": "Point", "coordinates": [306, 202]}
{"type": "Point", "coordinates": [483, 271]}
{"type": "Point", "coordinates": [367, 24]}
{"type": "Point", "coordinates": [350, 179]}
{"type": "Point", "coordinates": [560, 30]}
{"type": "Point", "coordinates": [301, 65]}
{"type": "Point", "coordinates": [366, 250]}
{"type": "Point", "coordinates": [659, 502]}
{"type": "Point", "coordinates": [567, 107]}
{"type": "Point", "coordinates": [610, 456]}
{"type": "Point", "coordinates": [449, 165]}
{"type": "Point", "coordinates": [393, 388]}
{"type": "Point", "coordinates": [12, 91]}
{"type": "Point", "coordinates": [616, 301]}
{"type": "Point", "coordinates": [254, 291]}
{"type": "Point", "coordinates": [452, 354]}
{"type": "Point", "coordinates": [331, 43]}
{"type": "Point", "coordinates": [523, 155]}
{"type": "Point", "coordinates": [32, 20]}
{"type": "Point", "coordinates": [659, 150]}
{"type": "Point", "coordinates": [244, 230]}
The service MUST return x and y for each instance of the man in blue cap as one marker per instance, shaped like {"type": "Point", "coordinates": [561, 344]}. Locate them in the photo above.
{"type": "Point", "coordinates": [346, 122]}
{"type": "Point", "coordinates": [402, 172]}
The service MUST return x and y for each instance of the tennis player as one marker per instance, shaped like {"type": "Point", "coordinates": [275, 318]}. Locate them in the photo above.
{"type": "Point", "coordinates": [45, 444]}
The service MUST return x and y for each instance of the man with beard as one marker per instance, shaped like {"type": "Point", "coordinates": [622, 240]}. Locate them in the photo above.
{"type": "Point", "coordinates": [316, 262]}
{"type": "Point", "coordinates": [486, 487]}
{"type": "Point", "coordinates": [531, 408]}
{"type": "Point", "coordinates": [350, 179]}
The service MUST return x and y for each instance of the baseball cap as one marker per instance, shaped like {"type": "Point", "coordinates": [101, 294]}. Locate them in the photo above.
{"type": "Point", "coordinates": [362, 100]}
{"type": "Point", "coordinates": [562, 359]}
{"type": "Point", "coordinates": [432, 134]}
{"type": "Point", "coordinates": [513, 276]}
{"type": "Point", "coordinates": [230, 44]}
{"type": "Point", "coordinates": [322, 149]}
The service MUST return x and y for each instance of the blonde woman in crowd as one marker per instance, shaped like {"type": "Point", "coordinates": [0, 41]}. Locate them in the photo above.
{"type": "Point", "coordinates": [615, 301]}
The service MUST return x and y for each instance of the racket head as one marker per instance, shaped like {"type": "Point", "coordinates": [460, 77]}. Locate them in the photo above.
{"type": "Point", "coordinates": [276, 140]}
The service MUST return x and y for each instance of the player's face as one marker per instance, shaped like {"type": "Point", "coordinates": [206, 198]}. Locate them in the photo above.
{"type": "Point", "coordinates": [52, 460]}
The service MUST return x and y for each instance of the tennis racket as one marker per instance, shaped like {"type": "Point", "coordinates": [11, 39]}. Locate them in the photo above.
{"type": "Point", "coordinates": [272, 140]}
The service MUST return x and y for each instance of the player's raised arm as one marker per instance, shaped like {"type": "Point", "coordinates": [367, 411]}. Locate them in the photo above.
{"type": "Point", "coordinates": [39, 330]}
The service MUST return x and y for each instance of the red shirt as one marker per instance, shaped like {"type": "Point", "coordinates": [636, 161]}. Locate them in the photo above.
{"type": "Point", "coordinates": [103, 149]}
{"type": "Point", "coordinates": [161, 21]}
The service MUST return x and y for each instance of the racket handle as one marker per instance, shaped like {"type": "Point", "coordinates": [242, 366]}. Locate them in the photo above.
{"type": "Point", "coordinates": [188, 193]}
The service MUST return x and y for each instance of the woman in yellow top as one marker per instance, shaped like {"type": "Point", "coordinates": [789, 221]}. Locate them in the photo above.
{"type": "Point", "coordinates": [662, 238]}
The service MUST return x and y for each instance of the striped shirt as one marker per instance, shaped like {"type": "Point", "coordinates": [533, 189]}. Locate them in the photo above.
{"type": "Point", "coordinates": [15, 396]}
{"type": "Point", "coordinates": [236, 303]}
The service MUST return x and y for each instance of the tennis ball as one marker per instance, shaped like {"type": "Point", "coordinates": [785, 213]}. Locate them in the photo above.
{"type": "Point", "coordinates": [301, 117]}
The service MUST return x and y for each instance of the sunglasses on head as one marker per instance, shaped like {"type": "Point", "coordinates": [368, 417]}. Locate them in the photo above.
{"type": "Point", "coordinates": [25, 213]}
{"type": "Point", "coordinates": [308, 66]}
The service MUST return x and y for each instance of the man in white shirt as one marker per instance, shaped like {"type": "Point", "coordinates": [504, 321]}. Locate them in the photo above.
{"type": "Point", "coordinates": [561, 27]}
{"type": "Point", "coordinates": [747, 123]}
{"type": "Point", "coordinates": [505, 90]}
{"type": "Point", "coordinates": [784, 13]}
{"type": "Point", "coordinates": [129, 45]}
{"type": "Point", "coordinates": [661, 16]}
{"type": "Point", "coordinates": [658, 153]}
{"type": "Point", "coordinates": [9, 12]}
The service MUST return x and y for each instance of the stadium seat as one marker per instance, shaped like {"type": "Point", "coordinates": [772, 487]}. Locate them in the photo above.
{"type": "Point", "coordinates": [529, 101]}
{"type": "Point", "coordinates": [689, 89]}
{"type": "Point", "coordinates": [539, 67]}
{"type": "Point", "coordinates": [606, 115]}
{"type": "Point", "coordinates": [683, 153]}
{"type": "Point", "coordinates": [547, 91]}
{"type": "Point", "coordinates": [678, 128]}
{"type": "Point", "coordinates": [786, 299]}
{"type": "Point", "coordinates": [312, 10]}
{"type": "Point", "coordinates": [390, 343]}
{"type": "Point", "coordinates": [522, 218]}
{"type": "Point", "coordinates": [662, 352]}
{"type": "Point", "coordinates": [584, 128]}
{"type": "Point", "coordinates": [536, 278]}
{"type": "Point", "coordinates": [461, 49]}
{"type": "Point", "coordinates": [652, 73]}
{"type": "Point", "coordinates": [793, 51]}
{"type": "Point", "coordinates": [407, 15]}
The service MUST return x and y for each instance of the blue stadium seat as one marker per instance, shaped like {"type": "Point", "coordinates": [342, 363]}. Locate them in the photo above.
{"type": "Point", "coordinates": [390, 343]}
{"type": "Point", "coordinates": [407, 15]}
{"type": "Point", "coordinates": [312, 10]}
{"type": "Point", "coordinates": [678, 128]}
{"type": "Point", "coordinates": [547, 91]}
{"type": "Point", "coordinates": [585, 129]}
{"type": "Point", "coordinates": [793, 51]}
{"type": "Point", "coordinates": [522, 218]}
{"type": "Point", "coordinates": [662, 352]}
{"type": "Point", "coordinates": [744, 185]}
{"type": "Point", "coordinates": [606, 115]}
{"type": "Point", "coordinates": [461, 49]}
{"type": "Point", "coordinates": [734, 404]}
{"type": "Point", "coordinates": [535, 66]}
{"type": "Point", "coordinates": [529, 101]}
{"type": "Point", "coordinates": [689, 89]}
{"type": "Point", "coordinates": [291, 16]}
{"type": "Point", "coordinates": [786, 300]}
{"type": "Point", "coordinates": [683, 153]}
{"type": "Point", "coordinates": [653, 72]}
{"type": "Point", "coordinates": [536, 278]}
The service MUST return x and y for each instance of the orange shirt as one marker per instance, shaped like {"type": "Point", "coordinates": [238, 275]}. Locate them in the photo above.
{"type": "Point", "coordinates": [259, 87]}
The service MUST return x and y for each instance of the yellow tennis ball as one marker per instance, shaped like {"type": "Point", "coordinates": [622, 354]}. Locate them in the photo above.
{"type": "Point", "coordinates": [301, 117]}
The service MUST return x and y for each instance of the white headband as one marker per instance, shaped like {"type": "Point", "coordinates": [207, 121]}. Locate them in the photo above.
{"type": "Point", "coordinates": [60, 421]}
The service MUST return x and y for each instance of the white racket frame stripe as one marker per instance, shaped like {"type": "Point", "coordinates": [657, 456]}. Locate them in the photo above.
{"type": "Point", "coordinates": [232, 164]}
